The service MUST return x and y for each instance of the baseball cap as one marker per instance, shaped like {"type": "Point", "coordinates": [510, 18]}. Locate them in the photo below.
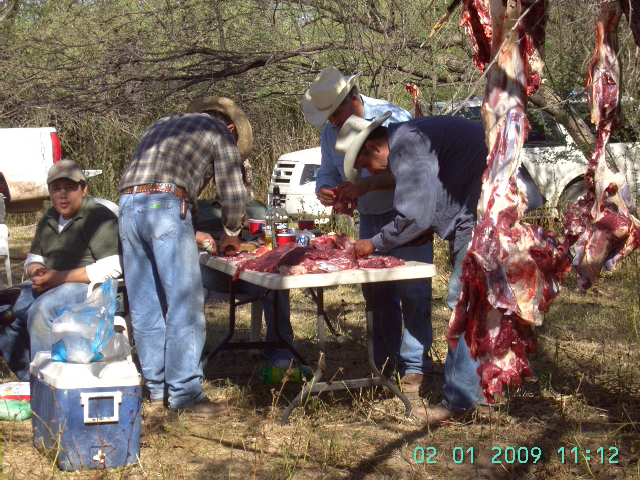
{"type": "Point", "coordinates": [66, 169]}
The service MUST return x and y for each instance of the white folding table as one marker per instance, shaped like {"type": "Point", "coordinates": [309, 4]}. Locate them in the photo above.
{"type": "Point", "coordinates": [277, 283]}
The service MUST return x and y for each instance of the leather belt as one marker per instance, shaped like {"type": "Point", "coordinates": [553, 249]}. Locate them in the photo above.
{"type": "Point", "coordinates": [156, 188]}
{"type": "Point", "coordinates": [162, 188]}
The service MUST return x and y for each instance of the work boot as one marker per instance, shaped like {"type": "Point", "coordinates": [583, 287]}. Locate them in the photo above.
{"type": "Point", "coordinates": [204, 409]}
{"type": "Point", "coordinates": [411, 383]}
{"type": "Point", "coordinates": [440, 414]}
{"type": "Point", "coordinates": [415, 383]}
{"type": "Point", "coordinates": [153, 408]}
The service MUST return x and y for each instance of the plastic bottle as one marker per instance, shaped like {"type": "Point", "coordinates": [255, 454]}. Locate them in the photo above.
{"type": "Point", "coordinates": [276, 220]}
{"type": "Point", "coordinates": [269, 375]}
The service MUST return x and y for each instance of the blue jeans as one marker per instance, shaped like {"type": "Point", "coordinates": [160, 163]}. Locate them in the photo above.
{"type": "Point", "coordinates": [393, 301]}
{"type": "Point", "coordinates": [461, 380]}
{"type": "Point", "coordinates": [219, 282]}
{"type": "Point", "coordinates": [166, 300]}
{"type": "Point", "coordinates": [31, 331]}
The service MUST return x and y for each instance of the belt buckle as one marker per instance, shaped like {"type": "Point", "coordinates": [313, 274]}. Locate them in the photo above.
{"type": "Point", "coordinates": [161, 187]}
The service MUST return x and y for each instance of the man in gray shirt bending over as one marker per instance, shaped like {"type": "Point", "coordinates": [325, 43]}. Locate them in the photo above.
{"type": "Point", "coordinates": [437, 163]}
{"type": "Point", "coordinates": [330, 100]}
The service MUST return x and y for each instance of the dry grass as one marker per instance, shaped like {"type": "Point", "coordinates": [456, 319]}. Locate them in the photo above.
{"type": "Point", "coordinates": [585, 395]}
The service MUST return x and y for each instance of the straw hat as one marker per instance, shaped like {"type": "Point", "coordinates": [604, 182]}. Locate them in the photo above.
{"type": "Point", "coordinates": [234, 112]}
{"type": "Point", "coordinates": [352, 136]}
{"type": "Point", "coordinates": [325, 94]}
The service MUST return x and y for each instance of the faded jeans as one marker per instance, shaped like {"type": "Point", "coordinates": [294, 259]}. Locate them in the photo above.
{"type": "Point", "coordinates": [166, 300]}
{"type": "Point", "coordinates": [392, 302]}
{"type": "Point", "coordinates": [461, 380]}
{"type": "Point", "coordinates": [30, 333]}
{"type": "Point", "coordinates": [217, 281]}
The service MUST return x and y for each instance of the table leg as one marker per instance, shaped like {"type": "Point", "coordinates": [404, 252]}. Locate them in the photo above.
{"type": "Point", "coordinates": [317, 376]}
{"type": "Point", "coordinates": [232, 325]}
{"type": "Point", "coordinates": [321, 311]}
{"type": "Point", "coordinates": [372, 365]}
{"type": "Point", "coordinates": [316, 386]}
{"type": "Point", "coordinates": [225, 344]}
{"type": "Point", "coordinates": [276, 327]}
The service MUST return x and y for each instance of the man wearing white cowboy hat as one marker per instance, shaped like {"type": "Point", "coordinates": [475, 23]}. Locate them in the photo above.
{"type": "Point", "coordinates": [329, 101]}
{"type": "Point", "coordinates": [437, 163]}
{"type": "Point", "coordinates": [173, 162]}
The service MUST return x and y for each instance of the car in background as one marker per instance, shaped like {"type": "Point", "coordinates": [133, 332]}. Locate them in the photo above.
{"type": "Point", "coordinates": [550, 155]}
{"type": "Point", "coordinates": [26, 154]}
{"type": "Point", "coordinates": [295, 174]}
{"type": "Point", "coordinates": [554, 160]}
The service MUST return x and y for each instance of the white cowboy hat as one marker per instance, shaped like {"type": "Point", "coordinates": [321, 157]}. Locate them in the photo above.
{"type": "Point", "coordinates": [352, 136]}
{"type": "Point", "coordinates": [234, 112]}
{"type": "Point", "coordinates": [325, 94]}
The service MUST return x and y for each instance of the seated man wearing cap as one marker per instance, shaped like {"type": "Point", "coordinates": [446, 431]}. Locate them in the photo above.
{"type": "Point", "coordinates": [329, 101]}
{"type": "Point", "coordinates": [437, 163]}
{"type": "Point", "coordinates": [76, 242]}
{"type": "Point", "coordinates": [174, 161]}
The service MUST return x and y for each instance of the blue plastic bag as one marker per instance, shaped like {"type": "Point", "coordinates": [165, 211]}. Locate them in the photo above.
{"type": "Point", "coordinates": [84, 332]}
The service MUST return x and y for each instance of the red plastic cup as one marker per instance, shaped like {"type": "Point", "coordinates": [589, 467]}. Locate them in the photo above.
{"type": "Point", "coordinates": [255, 226]}
{"type": "Point", "coordinates": [284, 238]}
{"type": "Point", "coordinates": [305, 224]}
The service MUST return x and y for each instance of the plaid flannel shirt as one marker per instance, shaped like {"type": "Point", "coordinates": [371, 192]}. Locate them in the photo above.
{"type": "Point", "coordinates": [189, 151]}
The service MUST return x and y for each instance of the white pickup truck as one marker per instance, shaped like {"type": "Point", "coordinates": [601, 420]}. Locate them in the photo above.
{"type": "Point", "coordinates": [26, 154]}
{"type": "Point", "coordinates": [550, 155]}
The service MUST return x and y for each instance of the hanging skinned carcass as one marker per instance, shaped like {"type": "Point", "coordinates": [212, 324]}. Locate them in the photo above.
{"type": "Point", "coordinates": [600, 228]}
{"type": "Point", "coordinates": [512, 270]}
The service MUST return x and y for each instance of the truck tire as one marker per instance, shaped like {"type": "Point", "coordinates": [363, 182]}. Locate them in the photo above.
{"type": "Point", "coordinates": [571, 194]}
{"type": "Point", "coordinates": [2, 209]}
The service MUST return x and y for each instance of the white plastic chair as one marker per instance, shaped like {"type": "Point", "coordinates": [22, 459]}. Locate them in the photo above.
{"type": "Point", "coordinates": [4, 252]}
{"type": "Point", "coordinates": [109, 204]}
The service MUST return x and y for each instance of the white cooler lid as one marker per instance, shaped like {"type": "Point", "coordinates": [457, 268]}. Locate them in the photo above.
{"type": "Point", "coordinates": [64, 375]}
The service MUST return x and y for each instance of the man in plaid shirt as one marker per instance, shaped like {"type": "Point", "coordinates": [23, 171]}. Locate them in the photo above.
{"type": "Point", "coordinates": [175, 160]}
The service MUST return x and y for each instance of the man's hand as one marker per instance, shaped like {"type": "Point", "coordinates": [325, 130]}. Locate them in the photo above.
{"type": "Point", "coordinates": [326, 197]}
{"type": "Point", "coordinates": [207, 242]}
{"type": "Point", "coordinates": [364, 248]}
{"type": "Point", "coordinates": [351, 190]}
{"type": "Point", "coordinates": [229, 245]}
{"type": "Point", "coordinates": [44, 280]}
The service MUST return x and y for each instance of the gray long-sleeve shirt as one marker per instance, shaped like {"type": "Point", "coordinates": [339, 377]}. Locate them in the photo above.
{"type": "Point", "coordinates": [437, 163]}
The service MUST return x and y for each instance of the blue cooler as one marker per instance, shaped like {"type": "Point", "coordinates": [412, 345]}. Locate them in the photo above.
{"type": "Point", "coordinates": [86, 415]}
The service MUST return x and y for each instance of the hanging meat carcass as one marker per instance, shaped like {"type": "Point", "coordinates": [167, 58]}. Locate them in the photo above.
{"type": "Point", "coordinates": [512, 270]}
{"type": "Point", "coordinates": [600, 228]}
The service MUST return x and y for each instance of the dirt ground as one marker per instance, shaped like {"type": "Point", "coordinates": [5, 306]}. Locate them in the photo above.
{"type": "Point", "coordinates": [577, 418]}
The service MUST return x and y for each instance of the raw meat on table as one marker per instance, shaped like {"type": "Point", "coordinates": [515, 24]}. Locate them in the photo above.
{"type": "Point", "coordinates": [338, 241]}
{"type": "Point", "coordinates": [325, 254]}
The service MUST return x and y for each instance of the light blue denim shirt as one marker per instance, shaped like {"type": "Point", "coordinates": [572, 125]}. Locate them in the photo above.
{"type": "Point", "coordinates": [331, 172]}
